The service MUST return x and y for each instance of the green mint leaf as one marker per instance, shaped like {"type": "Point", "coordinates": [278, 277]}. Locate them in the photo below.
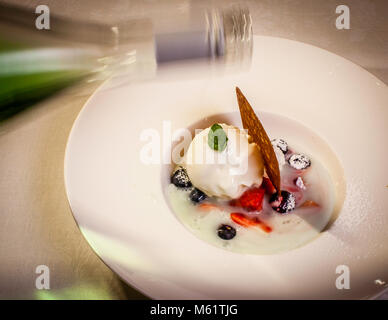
{"type": "Point", "coordinates": [217, 138]}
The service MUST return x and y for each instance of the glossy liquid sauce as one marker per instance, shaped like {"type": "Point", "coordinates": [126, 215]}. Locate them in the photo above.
{"type": "Point", "coordinates": [289, 231]}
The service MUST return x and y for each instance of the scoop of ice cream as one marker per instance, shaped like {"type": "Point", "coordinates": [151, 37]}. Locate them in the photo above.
{"type": "Point", "coordinates": [227, 173]}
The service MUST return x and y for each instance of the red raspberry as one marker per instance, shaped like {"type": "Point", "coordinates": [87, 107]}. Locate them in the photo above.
{"type": "Point", "coordinates": [251, 200]}
{"type": "Point", "coordinates": [268, 186]}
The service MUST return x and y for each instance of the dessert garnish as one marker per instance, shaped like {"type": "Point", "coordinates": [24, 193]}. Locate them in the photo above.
{"type": "Point", "coordinates": [300, 183]}
{"type": "Point", "coordinates": [246, 221]}
{"type": "Point", "coordinates": [268, 186]}
{"type": "Point", "coordinates": [281, 144]}
{"type": "Point", "coordinates": [217, 138]}
{"type": "Point", "coordinates": [256, 130]}
{"type": "Point", "coordinates": [207, 206]}
{"type": "Point", "coordinates": [226, 232]}
{"type": "Point", "coordinates": [299, 161]}
{"type": "Point", "coordinates": [251, 200]}
{"type": "Point", "coordinates": [197, 196]}
{"type": "Point", "coordinates": [180, 178]}
{"type": "Point", "coordinates": [309, 203]}
{"type": "Point", "coordinates": [284, 203]}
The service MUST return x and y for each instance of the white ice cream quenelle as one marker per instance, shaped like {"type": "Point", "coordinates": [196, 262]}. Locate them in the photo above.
{"type": "Point", "coordinates": [228, 173]}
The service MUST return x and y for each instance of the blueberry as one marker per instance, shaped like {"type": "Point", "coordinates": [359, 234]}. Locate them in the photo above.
{"type": "Point", "coordinates": [285, 204]}
{"type": "Point", "coordinates": [180, 178]}
{"type": "Point", "coordinates": [299, 161]}
{"type": "Point", "coordinates": [226, 232]}
{"type": "Point", "coordinates": [197, 195]}
{"type": "Point", "coordinates": [281, 144]}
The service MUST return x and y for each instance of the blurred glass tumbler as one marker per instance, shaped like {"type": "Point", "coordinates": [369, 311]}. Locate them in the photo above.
{"type": "Point", "coordinates": [221, 36]}
{"type": "Point", "coordinates": [225, 33]}
{"type": "Point", "coordinates": [224, 36]}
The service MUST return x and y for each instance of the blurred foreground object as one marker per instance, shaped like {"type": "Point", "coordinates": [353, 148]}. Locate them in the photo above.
{"type": "Point", "coordinates": [37, 63]}
{"type": "Point", "coordinates": [30, 74]}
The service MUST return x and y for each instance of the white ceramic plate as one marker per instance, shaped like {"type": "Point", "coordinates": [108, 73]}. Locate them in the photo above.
{"type": "Point", "coordinates": [119, 204]}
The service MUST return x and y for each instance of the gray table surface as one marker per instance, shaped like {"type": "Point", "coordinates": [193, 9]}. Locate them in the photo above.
{"type": "Point", "coordinates": [36, 224]}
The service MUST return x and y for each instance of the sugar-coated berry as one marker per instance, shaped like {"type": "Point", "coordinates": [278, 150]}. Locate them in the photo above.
{"type": "Point", "coordinates": [283, 204]}
{"type": "Point", "coordinates": [226, 232]}
{"type": "Point", "coordinates": [180, 178]}
{"type": "Point", "coordinates": [281, 144]}
{"type": "Point", "coordinates": [299, 161]}
{"type": "Point", "coordinates": [300, 183]}
{"type": "Point", "coordinates": [197, 195]}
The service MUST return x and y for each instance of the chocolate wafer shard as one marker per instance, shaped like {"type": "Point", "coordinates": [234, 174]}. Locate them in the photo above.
{"type": "Point", "coordinates": [256, 130]}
